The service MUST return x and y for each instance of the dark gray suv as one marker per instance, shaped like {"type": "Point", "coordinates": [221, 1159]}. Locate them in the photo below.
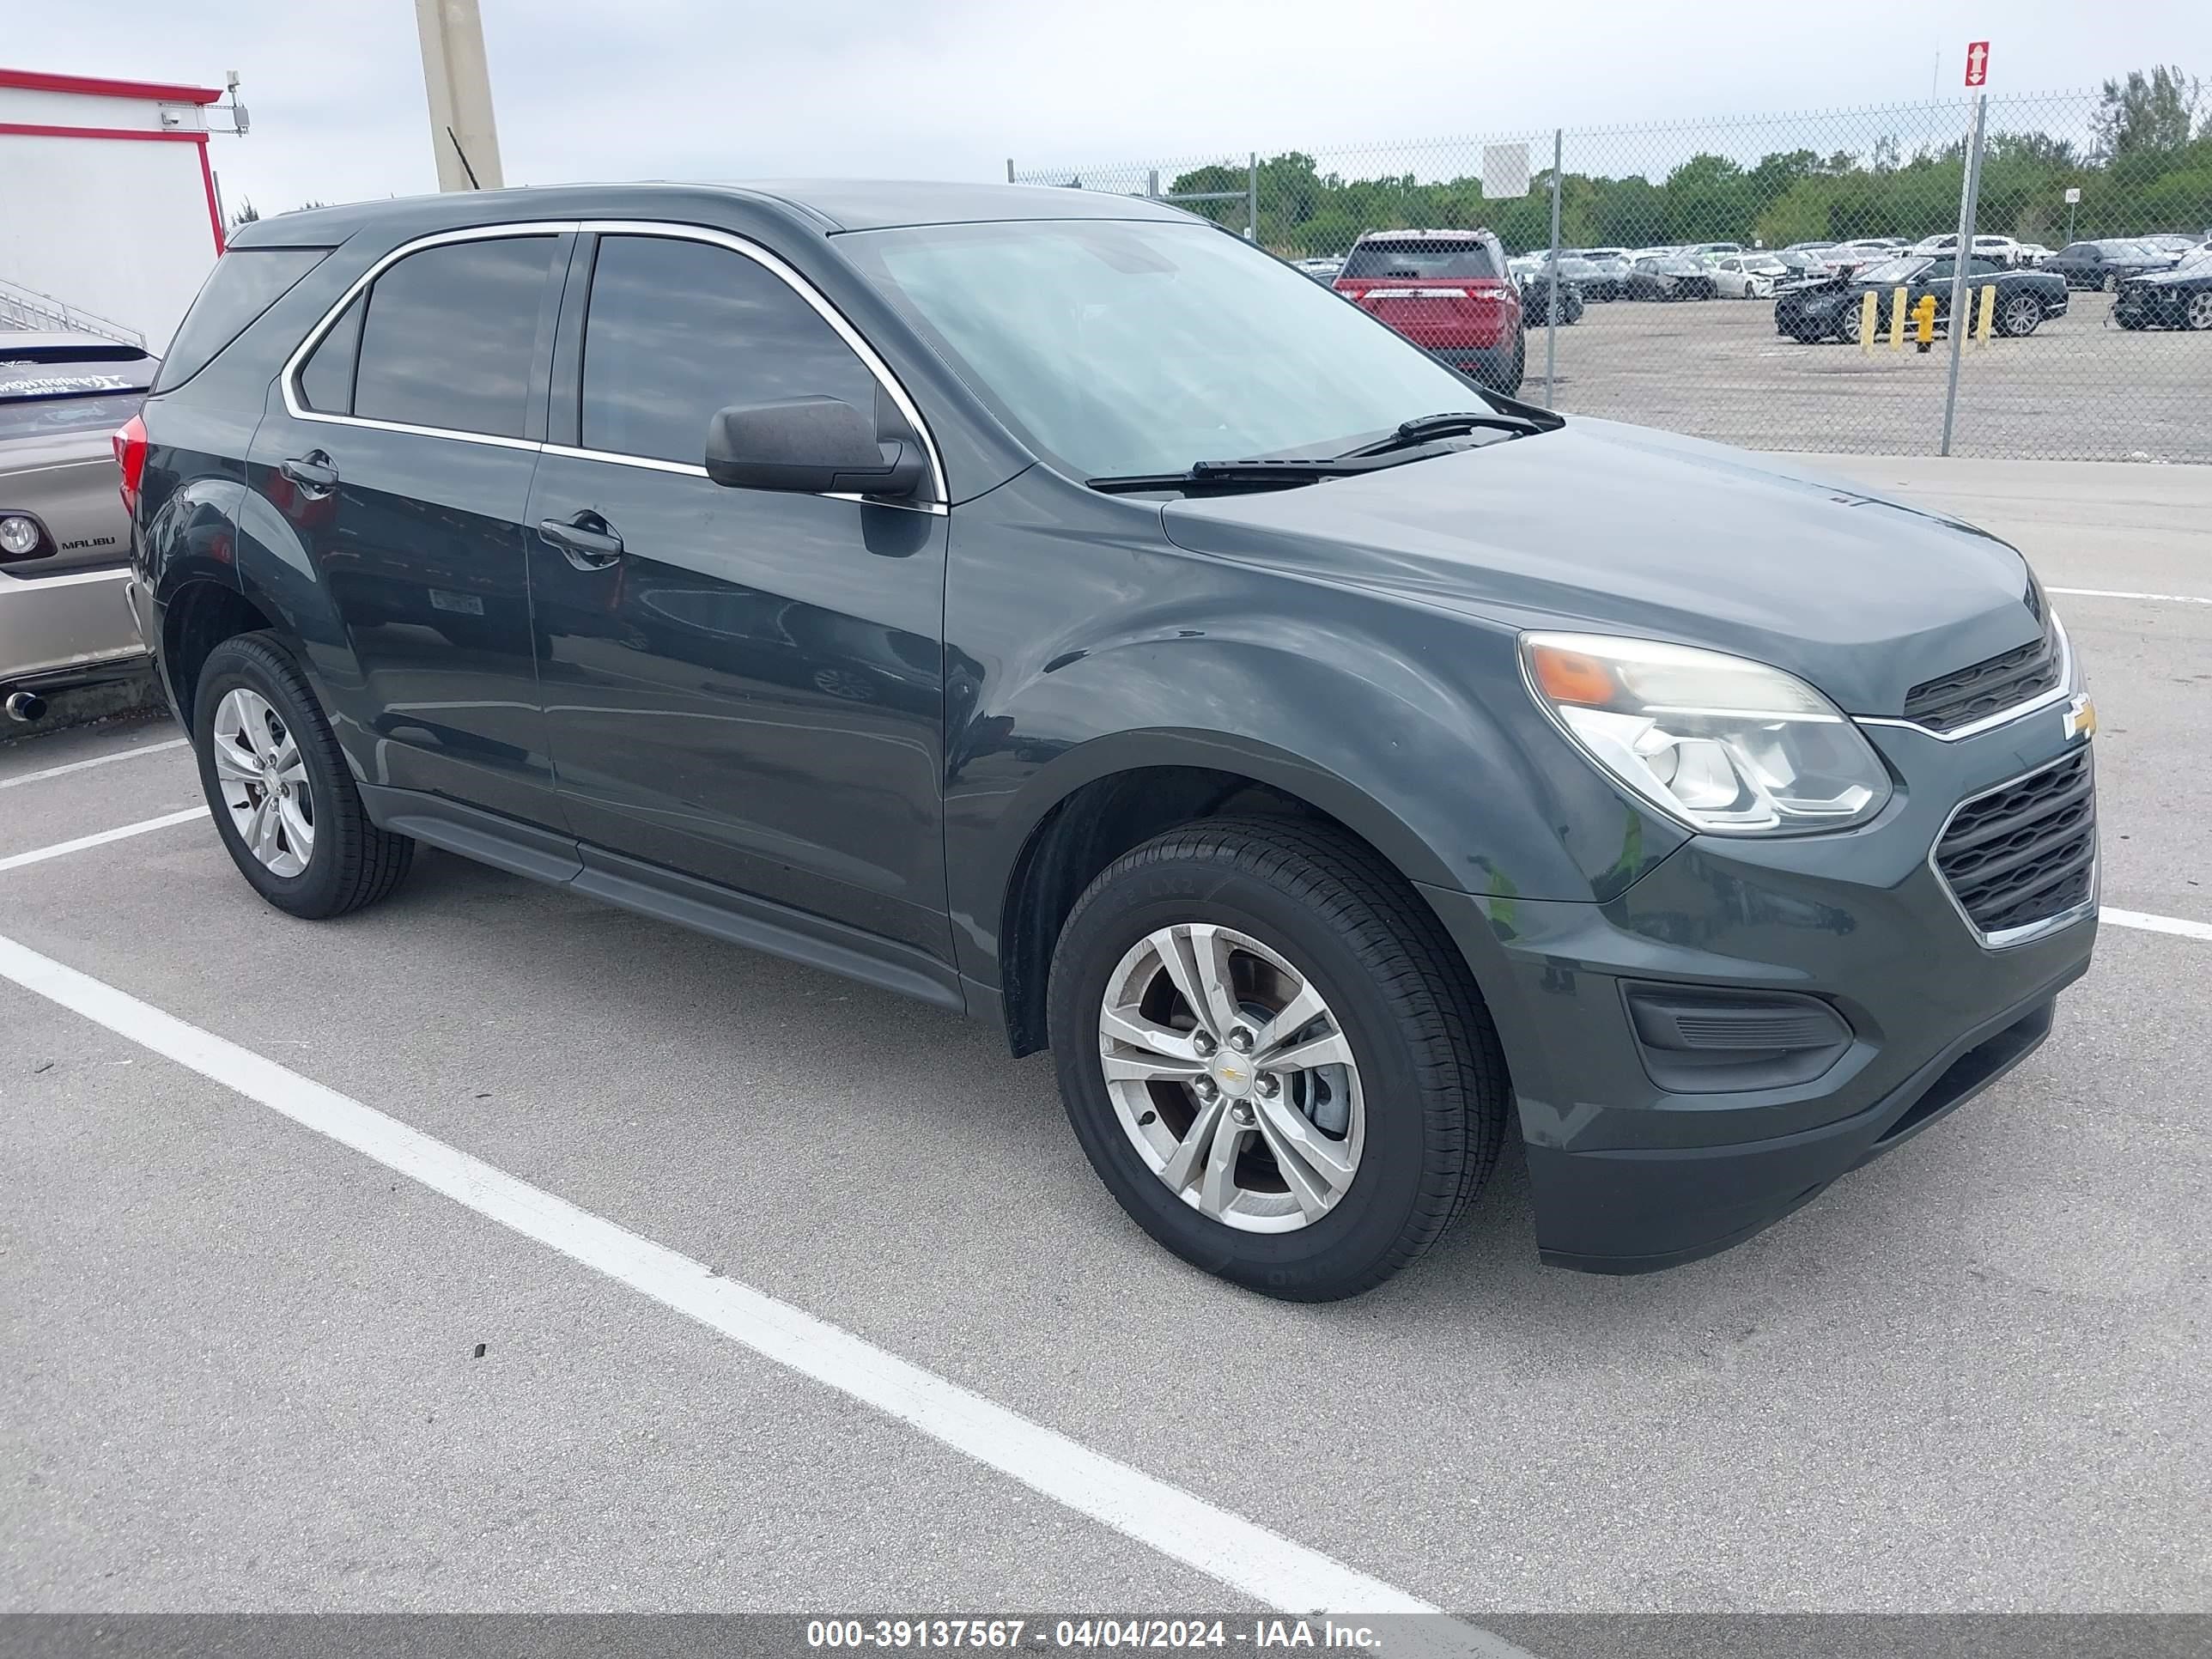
{"type": "Point", "coordinates": [1047, 606]}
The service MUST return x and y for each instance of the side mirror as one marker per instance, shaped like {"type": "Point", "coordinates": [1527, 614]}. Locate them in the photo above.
{"type": "Point", "coordinates": [809, 445]}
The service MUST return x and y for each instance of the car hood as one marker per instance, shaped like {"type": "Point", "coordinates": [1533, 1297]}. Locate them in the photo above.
{"type": "Point", "coordinates": [2172, 278]}
{"type": "Point", "coordinates": [1615, 528]}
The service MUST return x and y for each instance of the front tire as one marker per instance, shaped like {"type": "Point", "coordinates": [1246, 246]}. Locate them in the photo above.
{"type": "Point", "coordinates": [1274, 1056]}
{"type": "Point", "coordinates": [277, 784]}
{"type": "Point", "coordinates": [2197, 316]}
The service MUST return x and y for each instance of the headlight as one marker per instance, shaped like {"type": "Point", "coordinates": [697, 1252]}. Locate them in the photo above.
{"type": "Point", "coordinates": [1726, 746]}
{"type": "Point", "coordinates": [18, 535]}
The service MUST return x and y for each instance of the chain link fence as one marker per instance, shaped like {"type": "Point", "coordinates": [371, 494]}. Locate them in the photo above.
{"type": "Point", "coordinates": [1772, 280]}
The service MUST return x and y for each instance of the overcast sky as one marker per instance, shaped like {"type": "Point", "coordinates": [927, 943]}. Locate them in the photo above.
{"type": "Point", "coordinates": [950, 88]}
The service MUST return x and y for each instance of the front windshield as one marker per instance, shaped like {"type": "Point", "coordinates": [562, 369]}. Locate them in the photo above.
{"type": "Point", "coordinates": [1141, 346]}
{"type": "Point", "coordinates": [1893, 270]}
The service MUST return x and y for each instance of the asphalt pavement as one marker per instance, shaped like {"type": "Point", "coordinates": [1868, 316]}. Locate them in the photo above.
{"type": "Point", "coordinates": [251, 1368]}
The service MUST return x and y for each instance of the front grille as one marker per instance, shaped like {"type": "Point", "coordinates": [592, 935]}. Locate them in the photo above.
{"type": "Point", "coordinates": [1988, 688]}
{"type": "Point", "coordinates": [2025, 852]}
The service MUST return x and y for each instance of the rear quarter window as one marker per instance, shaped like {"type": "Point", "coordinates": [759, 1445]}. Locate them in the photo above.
{"type": "Point", "coordinates": [245, 282]}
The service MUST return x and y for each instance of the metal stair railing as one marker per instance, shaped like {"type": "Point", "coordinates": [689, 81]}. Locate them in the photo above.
{"type": "Point", "coordinates": [24, 307]}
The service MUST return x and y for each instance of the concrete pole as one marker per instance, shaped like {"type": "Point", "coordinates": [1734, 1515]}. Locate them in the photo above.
{"type": "Point", "coordinates": [1970, 193]}
{"type": "Point", "coordinates": [1551, 310]}
{"type": "Point", "coordinates": [454, 74]}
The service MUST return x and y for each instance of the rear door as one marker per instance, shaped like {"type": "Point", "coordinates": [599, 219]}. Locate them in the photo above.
{"type": "Point", "coordinates": [742, 685]}
{"type": "Point", "coordinates": [401, 451]}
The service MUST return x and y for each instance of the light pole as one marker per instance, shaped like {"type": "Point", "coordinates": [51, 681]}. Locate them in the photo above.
{"type": "Point", "coordinates": [458, 82]}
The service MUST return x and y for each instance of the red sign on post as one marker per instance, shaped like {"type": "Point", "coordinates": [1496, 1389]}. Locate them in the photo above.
{"type": "Point", "coordinates": [1977, 64]}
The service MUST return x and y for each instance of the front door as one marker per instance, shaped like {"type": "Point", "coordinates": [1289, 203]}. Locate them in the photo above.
{"type": "Point", "coordinates": [401, 463]}
{"type": "Point", "coordinates": [743, 685]}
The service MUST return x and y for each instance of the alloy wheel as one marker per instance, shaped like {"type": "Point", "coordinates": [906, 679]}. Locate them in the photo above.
{"type": "Point", "coordinates": [264, 781]}
{"type": "Point", "coordinates": [2021, 315]}
{"type": "Point", "coordinates": [2199, 314]}
{"type": "Point", "coordinates": [1231, 1077]}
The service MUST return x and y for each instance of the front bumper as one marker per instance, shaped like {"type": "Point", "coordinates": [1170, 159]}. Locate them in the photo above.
{"type": "Point", "coordinates": [71, 629]}
{"type": "Point", "coordinates": [2169, 306]}
{"type": "Point", "coordinates": [1629, 1177]}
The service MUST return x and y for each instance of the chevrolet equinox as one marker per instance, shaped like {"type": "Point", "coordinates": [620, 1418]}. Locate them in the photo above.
{"type": "Point", "coordinates": [1048, 606]}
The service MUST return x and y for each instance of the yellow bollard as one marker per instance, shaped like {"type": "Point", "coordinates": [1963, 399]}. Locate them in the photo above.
{"type": "Point", "coordinates": [1988, 314]}
{"type": "Point", "coordinates": [1897, 319]}
{"type": "Point", "coordinates": [1923, 324]}
{"type": "Point", "coordinates": [1868, 324]}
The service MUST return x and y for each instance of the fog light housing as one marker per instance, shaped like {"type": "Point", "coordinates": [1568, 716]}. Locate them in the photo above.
{"type": "Point", "coordinates": [1711, 1040]}
{"type": "Point", "coordinates": [19, 536]}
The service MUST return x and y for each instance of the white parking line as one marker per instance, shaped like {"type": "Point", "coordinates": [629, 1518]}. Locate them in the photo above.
{"type": "Point", "coordinates": [97, 760]}
{"type": "Point", "coordinates": [1225, 1547]}
{"type": "Point", "coordinates": [2150, 924]}
{"type": "Point", "coordinates": [60, 850]}
{"type": "Point", "coordinates": [2116, 593]}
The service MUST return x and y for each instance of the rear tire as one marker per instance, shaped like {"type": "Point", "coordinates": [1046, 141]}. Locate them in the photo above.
{"type": "Point", "coordinates": [348, 862]}
{"type": "Point", "coordinates": [2020, 316]}
{"type": "Point", "coordinates": [1426, 1073]}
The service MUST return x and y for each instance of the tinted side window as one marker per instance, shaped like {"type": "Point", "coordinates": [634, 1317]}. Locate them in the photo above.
{"type": "Point", "coordinates": [1941, 272]}
{"type": "Point", "coordinates": [244, 283]}
{"type": "Point", "coordinates": [327, 378]}
{"type": "Point", "coordinates": [677, 330]}
{"type": "Point", "coordinates": [450, 334]}
{"type": "Point", "coordinates": [1981, 268]}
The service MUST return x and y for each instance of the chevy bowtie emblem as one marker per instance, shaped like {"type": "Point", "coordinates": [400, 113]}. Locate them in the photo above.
{"type": "Point", "coordinates": [1230, 1074]}
{"type": "Point", "coordinates": [2080, 717]}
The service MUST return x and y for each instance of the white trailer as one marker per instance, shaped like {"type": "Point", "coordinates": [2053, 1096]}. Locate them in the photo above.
{"type": "Point", "coordinates": [109, 219]}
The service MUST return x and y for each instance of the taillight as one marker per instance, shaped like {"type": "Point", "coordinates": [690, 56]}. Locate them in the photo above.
{"type": "Point", "coordinates": [130, 441]}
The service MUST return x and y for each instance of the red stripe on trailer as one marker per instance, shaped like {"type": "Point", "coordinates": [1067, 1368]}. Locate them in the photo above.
{"type": "Point", "coordinates": [37, 130]}
{"type": "Point", "coordinates": [215, 207]}
{"type": "Point", "coordinates": [95, 86]}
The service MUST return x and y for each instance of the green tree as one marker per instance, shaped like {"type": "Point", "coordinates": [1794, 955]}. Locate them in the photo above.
{"type": "Point", "coordinates": [1706, 201]}
{"type": "Point", "coordinates": [2155, 112]}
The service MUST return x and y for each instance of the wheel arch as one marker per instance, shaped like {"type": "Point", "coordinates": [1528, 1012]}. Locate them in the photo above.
{"type": "Point", "coordinates": [198, 614]}
{"type": "Point", "coordinates": [1097, 802]}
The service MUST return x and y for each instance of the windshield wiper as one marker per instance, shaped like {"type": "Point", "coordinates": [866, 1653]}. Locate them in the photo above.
{"type": "Point", "coordinates": [1224, 477]}
{"type": "Point", "coordinates": [1284, 472]}
{"type": "Point", "coordinates": [1453, 423]}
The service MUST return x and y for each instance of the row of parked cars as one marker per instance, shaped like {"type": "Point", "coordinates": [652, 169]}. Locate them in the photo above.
{"type": "Point", "coordinates": [1723, 269]}
{"type": "Point", "coordinates": [2154, 286]}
